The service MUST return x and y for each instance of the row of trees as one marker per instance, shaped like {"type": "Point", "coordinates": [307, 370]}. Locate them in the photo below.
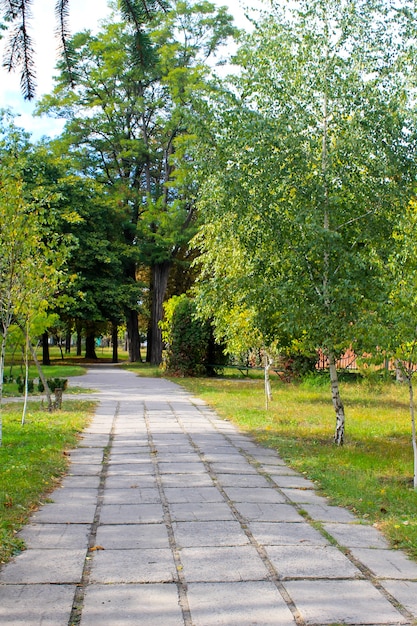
{"type": "Point", "coordinates": [295, 176]}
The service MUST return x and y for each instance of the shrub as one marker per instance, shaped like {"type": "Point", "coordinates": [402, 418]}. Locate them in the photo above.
{"type": "Point", "coordinates": [187, 339]}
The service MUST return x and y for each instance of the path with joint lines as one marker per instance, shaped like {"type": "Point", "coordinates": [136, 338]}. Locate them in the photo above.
{"type": "Point", "coordinates": [170, 516]}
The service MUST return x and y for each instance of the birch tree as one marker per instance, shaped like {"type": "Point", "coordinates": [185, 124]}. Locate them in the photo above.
{"type": "Point", "coordinates": [311, 166]}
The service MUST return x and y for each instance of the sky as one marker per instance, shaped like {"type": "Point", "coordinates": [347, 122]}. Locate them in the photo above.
{"type": "Point", "coordinates": [84, 14]}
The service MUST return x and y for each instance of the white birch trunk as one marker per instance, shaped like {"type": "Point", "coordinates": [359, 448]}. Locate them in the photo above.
{"type": "Point", "coordinates": [25, 404]}
{"type": "Point", "coordinates": [268, 390]}
{"type": "Point", "coordinates": [339, 435]}
{"type": "Point", "coordinates": [413, 424]}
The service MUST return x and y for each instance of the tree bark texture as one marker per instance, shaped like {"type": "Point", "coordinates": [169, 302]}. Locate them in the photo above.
{"type": "Point", "coordinates": [114, 340]}
{"type": "Point", "coordinates": [339, 435]}
{"type": "Point", "coordinates": [160, 275]}
{"type": "Point", "coordinates": [90, 346]}
{"type": "Point", "coordinates": [133, 337]}
{"type": "Point", "coordinates": [46, 359]}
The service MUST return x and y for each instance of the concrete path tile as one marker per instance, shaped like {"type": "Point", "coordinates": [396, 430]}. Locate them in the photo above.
{"type": "Point", "coordinates": [80, 482]}
{"type": "Point", "coordinates": [238, 604]}
{"type": "Point", "coordinates": [204, 534]}
{"type": "Point", "coordinates": [85, 469]}
{"type": "Point", "coordinates": [284, 533]}
{"type": "Point", "coordinates": [131, 481]}
{"type": "Point", "coordinates": [200, 511]}
{"type": "Point", "coordinates": [233, 468]}
{"type": "Point", "coordinates": [74, 495]}
{"type": "Point", "coordinates": [133, 566]}
{"type": "Point", "coordinates": [56, 536]}
{"type": "Point", "coordinates": [242, 480]}
{"type": "Point", "coordinates": [47, 605]}
{"type": "Point", "coordinates": [326, 513]}
{"type": "Point", "coordinates": [177, 495]}
{"type": "Point", "coordinates": [45, 566]}
{"type": "Point", "coordinates": [289, 479]}
{"type": "Point", "coordinates": [61, 513]}
{"type": "Point", "coordinates": [387, 563]}
{"type": "Point", "coordinates": [222, 564]}
{"type": "Point", "coordinates": [405, 591]}
{"type": "Point", "coordinates": [248, 494]}
{"type": "Point", "coordinates": [132, 495]}
{"type": "Point", "coordinates": [131, 605]}
{"type": "Point", "coordinates": [131, 514]}
{"type": "Point", "coordinates": [342, 602]}
{"type": "Point", "coordinates": [132, 536]}
{"type": "Point", "coordinates": [304, 496]}
{"type": "Point", "coordinates": [130, 469]}
{"type": "Point", "coordinates": [307, 561]}
{"type": "Point", "coordinates": [186, 480]}
{"type": "Point", "coordinates": [181, 468]}
{"type": "Point", "coordinates": [356, 535]}
{"type": "Point", "coordinates": [268, 512]}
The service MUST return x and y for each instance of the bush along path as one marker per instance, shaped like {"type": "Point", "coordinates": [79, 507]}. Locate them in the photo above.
{"type": "Point", "coordinates": [170, 515]}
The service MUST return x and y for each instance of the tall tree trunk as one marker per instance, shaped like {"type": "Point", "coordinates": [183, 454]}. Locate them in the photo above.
{"type": "Point", "coordinates": [78, 327]}
{"type": "Point", "coordinates": [68, 342]}
{"type": "Point", "coordinates": [114, 340]}
{"type": "Point", "coordinates": [339, 435]}
{"type": "Point", "coordinates": [160, 275]}
{"type": "Point", "coordinates": [46, 358]}
{"type": "Point", "coordinates": [90, 345]}
{"type": "Point", "coordinates": [409, 375]}
{"type": "Point", "coordinates": [133, 337]}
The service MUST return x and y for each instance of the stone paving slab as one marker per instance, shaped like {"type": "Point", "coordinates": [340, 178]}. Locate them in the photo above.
{"type": "Point", "coordinates": [238, 604]}
{"type": "Point", "coordinates": [132, 536]}
{"type": "Point", "coordinates": [254, 511]}
{"type": "Point", "coordinates": [145, 566]}
{"type": "Point", "coordinates": [308, 561]}
{"type": "Point", "coordinates": [387, 563]}
{"type": "Point", "coordinates": [286, 533]}
{"type": "Point", "coordinates": [69, 513]}
{"type": "Point", "coordinates": [222, 564]}
{"type": "Point", "coordinates": [56, 536]}
{"type": "Point", "coordinates": [131, 605]}
{"type": "Point", "coordinates": [131, 513]}
{"type": "Point", "coordinates": [177, 495]}
{"type": "Point", "coordinates": [324, 602]}
{"type": "Point", "coordinates": [55, 566]}
{"type": "Point", "coordinates": [356, 535]}
{"type": "Point", "coordinates": [36, 605]}
{"type": "Point", "coordinates": [260, 496]}
{"type": "Point", "coordinates": [204, 534]}
{"type": "Point", "coordinates": [132, 495]}
{"type": "Point", "coordinates": [405, 591]}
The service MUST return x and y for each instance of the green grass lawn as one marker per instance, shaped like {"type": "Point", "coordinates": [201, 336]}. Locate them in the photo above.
{"type": "Point", "coordinates": [32, 461]}
{"type": "Point", "coordinates": [371, 474]}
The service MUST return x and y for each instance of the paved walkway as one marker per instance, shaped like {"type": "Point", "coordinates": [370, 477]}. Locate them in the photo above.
{"type": "Point", "coordinates": [171, 517]}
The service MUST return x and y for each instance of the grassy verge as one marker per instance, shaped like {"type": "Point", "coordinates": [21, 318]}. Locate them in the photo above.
{"type": "Point", "coordinates": [371, 474]}
{"type": "Point", "coordinates": [32, 461]}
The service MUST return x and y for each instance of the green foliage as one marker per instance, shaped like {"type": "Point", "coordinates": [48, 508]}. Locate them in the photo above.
{"type": "Point", "coordinates": [186, 337]}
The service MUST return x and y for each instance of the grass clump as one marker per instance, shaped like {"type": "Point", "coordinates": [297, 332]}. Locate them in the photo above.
{"type": "Point", "coordinates": [371, 474]}
{"type": "Point", "coordinates": [32, 461]}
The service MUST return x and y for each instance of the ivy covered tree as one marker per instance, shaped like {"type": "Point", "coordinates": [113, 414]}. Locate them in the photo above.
{"type": "Point", "coordinates": [308, 166]}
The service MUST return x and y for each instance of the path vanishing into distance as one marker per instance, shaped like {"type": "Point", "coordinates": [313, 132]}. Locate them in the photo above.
{"type": "Point", "coordinates": [169, 516]}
